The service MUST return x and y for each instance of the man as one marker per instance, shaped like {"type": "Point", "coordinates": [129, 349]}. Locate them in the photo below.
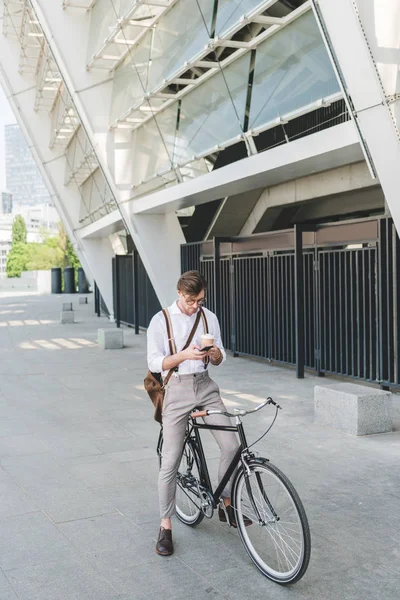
{"type": "Point", "coordinates": [189, 387]}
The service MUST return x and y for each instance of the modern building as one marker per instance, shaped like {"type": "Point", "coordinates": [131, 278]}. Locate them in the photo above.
{"type": "Point", "coordinates": [23, 177]}
{"type": "Point", "coordinates": [265, 134]}
{"type": "Point", "coordinates": [6, 203]}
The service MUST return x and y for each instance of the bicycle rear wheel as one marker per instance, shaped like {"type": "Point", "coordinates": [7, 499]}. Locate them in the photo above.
{"type": "Point", "coordinates": [278, 541]}
{"type": "Point", "coordinates": [188, 500]}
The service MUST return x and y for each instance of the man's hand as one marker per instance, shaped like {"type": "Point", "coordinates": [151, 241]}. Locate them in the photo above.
{"type": "Point", "coordinates": [193, 353]}
{"type": "Point", "coordinates": [215, 355]}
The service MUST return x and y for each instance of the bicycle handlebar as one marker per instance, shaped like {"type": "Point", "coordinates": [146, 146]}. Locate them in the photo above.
{"type": "Point", "coordinates": [238, 412]}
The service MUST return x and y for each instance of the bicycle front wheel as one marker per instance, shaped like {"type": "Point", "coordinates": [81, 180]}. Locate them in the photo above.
{"type": "Point", "coordinates": [188, 500]}
{"type": "Point", "coordinates": [278, 541]}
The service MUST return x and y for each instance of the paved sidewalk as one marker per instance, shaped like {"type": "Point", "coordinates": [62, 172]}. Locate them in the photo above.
{"type": "Point", "coordinates": [78, 502]}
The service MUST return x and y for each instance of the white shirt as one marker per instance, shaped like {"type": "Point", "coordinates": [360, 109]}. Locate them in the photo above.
{"type": "Point", "coordinates": [157, 338]}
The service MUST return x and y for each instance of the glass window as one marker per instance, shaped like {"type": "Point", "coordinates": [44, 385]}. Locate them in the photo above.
{"type": "Point", "coordinates": [154, 145]}
{"type": "Point", "coordinates": [103, 19]}
{"type": "Point", "coordinates": [230, 11]}
{"type": "Point", "coordinates": [213, 113]}
{"type": "Point", "coordinates": [179, 36]}
{"type": "Point", "coordinates": [130, 79]}
{"type": "Point", "coordinates": [292, 70]}
{"type": "Point", "coordinates": [124, 6]}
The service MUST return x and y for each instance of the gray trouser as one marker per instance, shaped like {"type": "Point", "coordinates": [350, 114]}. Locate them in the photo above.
{"type": "Point", "coordinates": [182, 395]}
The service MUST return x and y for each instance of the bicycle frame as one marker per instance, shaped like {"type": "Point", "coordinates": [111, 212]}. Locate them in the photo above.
{"type": "Point", "coordinates": [215, 496]}
{"type": "Point", "coordinates": [194, 433]}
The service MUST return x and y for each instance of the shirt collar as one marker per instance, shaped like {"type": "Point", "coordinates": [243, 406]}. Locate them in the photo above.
{"type": "Point", "coordinates": [175, 310]}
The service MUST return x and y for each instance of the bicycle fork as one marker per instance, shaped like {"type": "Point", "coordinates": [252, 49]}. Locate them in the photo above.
{"type": "Point", "coordinates": [247, 474]}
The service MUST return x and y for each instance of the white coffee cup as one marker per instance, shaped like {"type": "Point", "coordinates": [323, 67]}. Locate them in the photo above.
{"type": "Point", "coordinates": [207, 340]}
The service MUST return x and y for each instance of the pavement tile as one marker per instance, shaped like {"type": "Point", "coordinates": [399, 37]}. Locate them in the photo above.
{"type": "Point", "coordinates": [168, 574]}
{"type": "Point", "coordinates": [21, 445]}
{"type": "Point", "coordinates": [14, 500]}
{"type": "Point", "coordinates": [63, 580]}
{"type": "Point", "coordinates": [31, 539]}
{"type": "Point", "coordinates": [6, 591]}
{"type": "Point", "coordinates": [69, 502]}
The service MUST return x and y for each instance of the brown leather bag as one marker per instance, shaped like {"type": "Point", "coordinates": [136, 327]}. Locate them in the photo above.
{"type": "Point", "coordinates": [153, 383]}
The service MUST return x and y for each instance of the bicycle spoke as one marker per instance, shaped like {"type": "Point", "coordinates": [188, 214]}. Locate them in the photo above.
{"type": "Point", "coordinates": [277, 543]}
{"type": "Point", "coordinates": [188, 500]}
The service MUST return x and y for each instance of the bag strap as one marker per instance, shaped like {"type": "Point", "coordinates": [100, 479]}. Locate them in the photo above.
{"type": "Point", "coordinates": [195, 326]}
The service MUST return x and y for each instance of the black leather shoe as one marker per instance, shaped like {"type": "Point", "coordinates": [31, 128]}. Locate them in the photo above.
{"type": "Point", "coordinates": [164, 545]}
{"type": "Point", "coordinates": [230, 512]}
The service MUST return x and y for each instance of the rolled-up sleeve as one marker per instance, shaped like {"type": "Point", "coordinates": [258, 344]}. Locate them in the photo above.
{"type": "Point", "coordinates": [155, 344]}
{"type": "Point", "coordinates": [218, 339]}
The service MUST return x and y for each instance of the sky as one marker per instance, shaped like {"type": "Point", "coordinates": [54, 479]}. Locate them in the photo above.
{"type": "Point", "coordinates": [6, 117]}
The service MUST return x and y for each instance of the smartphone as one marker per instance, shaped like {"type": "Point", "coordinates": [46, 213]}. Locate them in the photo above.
{"type": "Point", "coordinates": [206, 348]}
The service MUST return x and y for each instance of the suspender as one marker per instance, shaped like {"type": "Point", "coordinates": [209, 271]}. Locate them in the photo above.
{"type": "Point", "coordinates": [171, 339]}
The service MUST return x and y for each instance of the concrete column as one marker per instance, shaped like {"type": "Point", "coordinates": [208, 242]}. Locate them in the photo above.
{"type": "Point", "coordinates": [364, 37]}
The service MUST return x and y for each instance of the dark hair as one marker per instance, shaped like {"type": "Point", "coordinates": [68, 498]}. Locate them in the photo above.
{"type": "Point", "coordinates": [191, 283]}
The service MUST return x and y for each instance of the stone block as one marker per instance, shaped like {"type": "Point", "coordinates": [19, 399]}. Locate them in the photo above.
{"type": "Point", "coordinates": [83, 300]}
{"type": "Point", "coordinates": [67, 306]}
{"type": "Point", "coordinates": [110, 339]}
{"type": "Point", "coordinates": [67, 316]}
{"type": "Point", "coordinates": [354, 409]}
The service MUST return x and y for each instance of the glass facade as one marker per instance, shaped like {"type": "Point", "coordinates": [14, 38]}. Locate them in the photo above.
{"type": "Point", "coordinates": [230, 12]}
{"type": "Point", "coordinates": [6, 203]}
{"type": "Point", "coordinates": [23, 178]}
{"type": "Point", "coordinates": [182, 35]}
{"type": "Point", "coordinates": [203, 75]}
{"type": "Point", "coordinates": [292, 70]}
{"type": "Point", "coordinates": [214, 112]}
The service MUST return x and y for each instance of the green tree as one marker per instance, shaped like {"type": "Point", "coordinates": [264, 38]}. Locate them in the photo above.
{"type": "Point", "coordinates": [19, 232]}
{"type": "Point", "coordinates": [55, 251]}
{"type": "Point", "coordinates": [70, 257]}
{"type": "Point", "coordinates": [17, 260]}
{"type": "Point", "coordinates": [43, 257]}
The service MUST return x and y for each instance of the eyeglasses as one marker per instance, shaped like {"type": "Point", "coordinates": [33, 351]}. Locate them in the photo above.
{"type": "Point", "coordinates": [199, 302]}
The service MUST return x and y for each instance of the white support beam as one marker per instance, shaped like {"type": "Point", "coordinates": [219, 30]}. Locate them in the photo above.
{"type": "Point", "coordinates": [121, 26]}
{"type": "Point", "coordinates": [21, 96]}
{"type": "Point", "coordinates": [324, 150]}
{"type": "Point", "coordinates": [359, 32]}
{"type": "Point", "coordinates": [263, 20]}
{"type": "Point", "coordinates": [248, 136]}
{"type": "Point", "coordinates": [157, 237]}
{"type": "Point", "coordinates": [87, 5]}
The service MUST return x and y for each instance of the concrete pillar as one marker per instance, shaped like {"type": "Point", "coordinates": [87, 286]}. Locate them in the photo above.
{"type": "Point", "coordinates": [365, 40]}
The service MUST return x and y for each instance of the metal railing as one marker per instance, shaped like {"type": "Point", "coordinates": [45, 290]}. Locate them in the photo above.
{"type": "Point", "coordinates": [135, 301]}
{"type": "Point", "coordinates": [336, 310]}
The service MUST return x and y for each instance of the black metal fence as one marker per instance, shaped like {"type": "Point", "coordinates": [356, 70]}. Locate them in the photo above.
{"type": "Point", "coordinates": [100, 307]}
{"type": "Point", "coordinates": [341, 316]}
{"type": "Point", "coordinates": [135, 301]}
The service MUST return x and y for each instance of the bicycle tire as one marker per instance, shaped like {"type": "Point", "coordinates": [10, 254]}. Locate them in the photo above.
{"type": "Point", "coordinates": [187, 499]}
{"type": "Point", "coordinates": [279, 548]}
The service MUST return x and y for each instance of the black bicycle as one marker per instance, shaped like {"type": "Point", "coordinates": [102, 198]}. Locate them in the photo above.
{"type": "Point", "coordinates": [278, 541]}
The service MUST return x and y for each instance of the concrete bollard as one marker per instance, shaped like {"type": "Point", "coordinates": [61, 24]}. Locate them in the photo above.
{"type": "Point", "coordinates": [110, 339]}
{"type": "Point", "coordinates": [83, 300]}
{"type": "Point", "coordinates": [67, 306]}
{"type": "Point", "coordinates": [67, 316]}
{"type": "Point", "coordinates": [355, 409]}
